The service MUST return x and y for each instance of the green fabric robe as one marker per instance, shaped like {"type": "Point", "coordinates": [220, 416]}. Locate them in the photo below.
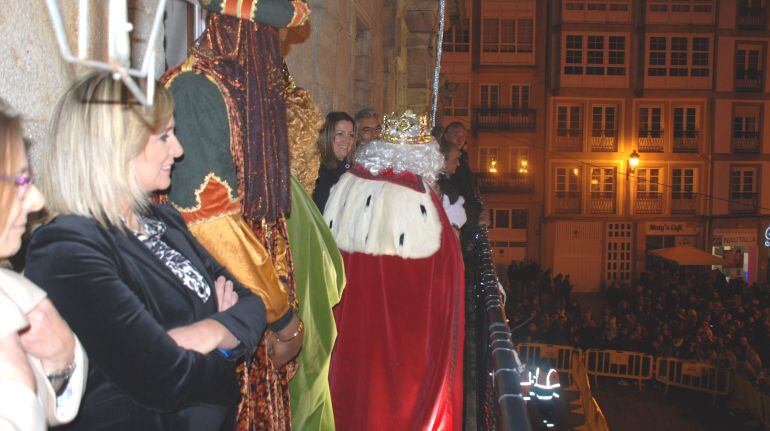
{"type": "Point", "coordinates": [320, 278]}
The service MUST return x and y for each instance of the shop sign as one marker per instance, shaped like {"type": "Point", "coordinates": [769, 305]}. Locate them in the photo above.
{"type": "Point", "coordinates": [671, 228]}
{"type": "Point", "coordinates": [737, 237]}
{"type": "Point", "coordinates": [767, 236]}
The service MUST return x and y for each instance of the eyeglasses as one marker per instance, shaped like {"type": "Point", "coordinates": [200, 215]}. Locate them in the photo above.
{"type": "Point", "coordinates": [22, 183]}
{"type": "Point", "coordinates": [367, 129]}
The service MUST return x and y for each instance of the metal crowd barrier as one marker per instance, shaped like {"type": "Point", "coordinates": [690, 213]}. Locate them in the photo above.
{"type": "Point", "coordinates": [504, 363]}
{"type": "Point", "coordinates": [619, 364]}
{"type": "Point", "coordinates": [550, 355]}
{"type": "Point", "coordinates": [692, 375]}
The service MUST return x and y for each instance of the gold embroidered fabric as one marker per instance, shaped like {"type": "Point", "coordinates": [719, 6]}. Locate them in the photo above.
{"type": "Point", "coordinates": [230, 240]}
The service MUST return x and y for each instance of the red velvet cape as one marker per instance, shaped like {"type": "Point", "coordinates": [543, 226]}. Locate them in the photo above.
{"type": "Point", "coordinates": [398, 360]}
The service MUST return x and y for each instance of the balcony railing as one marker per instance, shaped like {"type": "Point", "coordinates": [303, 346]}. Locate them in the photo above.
{"type": "Point", "coordinates": [744, 203]}
{"type": "Point", "coordinates": [649, 203]}
{"type": "Point", "coordinates": [686, 141]}
{"type": "Point", "coordinates": [650, 141]}
{"type": "Point", "coordinates": [567, 202]}
{"type": "Point", "coordinates": [505, 119]}
{"type": "Point", "coordinates": [569, 140]}
{"type": "Point", "coordinates": [504, 182]}
{"type": "Point", "coordinates": [752, 18]}
{"type": "Point", "coordinates": [604, 140]}
{"type": "Point", "coordinates": [745, 142]}
{"type": "Point", "coordinates": [748, 80]}
{"type": "Point", "coordinates": [601, 203]}
{"type": "Point", "coordinates": [684, 203]}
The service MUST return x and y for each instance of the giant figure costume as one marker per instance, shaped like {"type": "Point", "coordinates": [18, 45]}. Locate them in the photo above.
{"type": "Point", "coordinates": [397, 364]}
{"type": "Point", "coordinates": [233, 185]}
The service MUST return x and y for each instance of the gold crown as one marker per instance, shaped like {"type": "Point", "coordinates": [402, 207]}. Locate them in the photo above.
{"type": "Point", "coordinates": [407, 129]}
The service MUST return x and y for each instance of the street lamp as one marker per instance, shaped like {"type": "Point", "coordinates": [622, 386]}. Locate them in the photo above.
{"type": "Point", "coordinates": [633, 161]}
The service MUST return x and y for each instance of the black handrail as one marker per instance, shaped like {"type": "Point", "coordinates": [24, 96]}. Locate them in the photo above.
{"type": "Point", "coordinates": [500, 361]}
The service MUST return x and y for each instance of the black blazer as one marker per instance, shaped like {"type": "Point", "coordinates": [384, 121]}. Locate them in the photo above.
{"type": "Point", "coordinates": [327, 178]}
{"type": "Point", "coordinates": [120, 300]}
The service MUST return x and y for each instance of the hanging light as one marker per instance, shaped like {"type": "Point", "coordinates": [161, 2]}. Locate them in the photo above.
{"type": "Point", "coordinates": [576, 171]}
{"type": "Point", "coordinates": [633, 159]}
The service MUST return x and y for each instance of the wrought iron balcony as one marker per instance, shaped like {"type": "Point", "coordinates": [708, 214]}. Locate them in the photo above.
{"type": "Point", "coordinates": [569, 140]}
{"type": "Point", "coordinates": [648, 203]}
{"type": "Point", "coordinates": [504, 119]}
{"type": "Point", "coordinates": [686, 141]}
{"type": "Point", "coordinates": [748, 80]}
{"type": "Point", "coordinates": [751, 18]}
{"type": "Point", "coordinates": [604, 140]}
{"type": "Point", "coordinates": [745, 142]}
{"type": "Point", "coordinates": [567, 202]}
{"type": "Point", "coordinates": [744, 203]}
{"type": "Point", "coordinates": [601, 203]}
{"type": "Point", "coordinates": [684, 203]}
{"type": "Point", "coordinates": [650, 141]}
{"type": "Point", "coordinates": [504, 182]}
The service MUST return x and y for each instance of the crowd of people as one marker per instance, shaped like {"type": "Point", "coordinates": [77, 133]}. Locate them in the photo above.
{"type": "Point", "coordinates": [692, 315]}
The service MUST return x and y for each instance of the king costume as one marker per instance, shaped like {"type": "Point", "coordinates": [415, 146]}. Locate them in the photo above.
{"type": "Point", "coordinates": [233, 187]}
{"type": "Point", "coordinates": [398, 360]}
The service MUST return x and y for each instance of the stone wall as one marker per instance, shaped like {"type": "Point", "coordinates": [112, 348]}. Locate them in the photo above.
{"type": "Point", "coordinates": [352, 54]}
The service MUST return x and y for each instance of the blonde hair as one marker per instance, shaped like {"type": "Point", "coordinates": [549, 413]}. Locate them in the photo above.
{"type": "Point", "coordinates": [11, 144]}
{"type": "Point", "coordinates": [96, 132]}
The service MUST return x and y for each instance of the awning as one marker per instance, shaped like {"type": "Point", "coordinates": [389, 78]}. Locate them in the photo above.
{"type": "Point", "coordinates": [687, 255]}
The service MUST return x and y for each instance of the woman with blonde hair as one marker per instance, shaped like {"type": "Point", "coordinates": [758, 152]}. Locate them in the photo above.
{"type": "Point", "coordinates": [42, 365]}
{"type": "Point", "coordinates": [163, 323]}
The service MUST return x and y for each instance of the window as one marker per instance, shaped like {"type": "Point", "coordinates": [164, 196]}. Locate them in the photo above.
{"type": "Point", "coordinates": [682, 183]}
{"type": "Point", "coordinates": [456, 103]}
{"type": "Point", "coordinates": [602, 183]}
{"type": "Point", "coordinates": [519, 159]}
{"type": "Point", "coordinates": [502, 219]}
{"type": "Point", "coordinates": [648, 183]}
{"type": "Point", "coordinates": [520, 96]}
{"type": "Point", "coordinates": [681, 6]}
{"type": "Point", "coordinates": [746, 121]}
{"type": "Point", "coordinates": [743, 183]}
{"type": "Point", "coordinates": [513, 35]}
{"type": "Point", "coordinates": [657, 60]}
{"type": "Point", "coordinates": [650, 122]}
{"type": "Point", "coordinates": [685, 56]}
{"type": "Point", "coordinates": [595, 55]}
{"type": "Point", "coordinates": [744, 124]}
{"type": "Point", "coordinates": [567, 182]}
{"type": "Point", "coordinates": [747, 59]}
{"type": "Point", "coordinates": [603, 121]}
{"type": "Point", "coordinates": [486, 156]}
{"type": "Point", "coordinates": [567, 119]}
{"type": "Point", "coordinates": [685, 121]}
{"type": "Point", "coordinates": [508, 219]}
{"type": "Point", "coordinates": [597, 5]}
{"type": "Point", "coordinates": [458, 37]}
{"type": "Point", "coordinates": [490, 96]}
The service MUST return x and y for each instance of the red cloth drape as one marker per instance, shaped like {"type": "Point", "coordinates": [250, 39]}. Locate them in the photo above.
{"type": "Point", "coordinates": [397, 363]}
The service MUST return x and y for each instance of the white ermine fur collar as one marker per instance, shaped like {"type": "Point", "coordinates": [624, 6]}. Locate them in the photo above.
{"type": "Point", "coordinates": [381, 218]}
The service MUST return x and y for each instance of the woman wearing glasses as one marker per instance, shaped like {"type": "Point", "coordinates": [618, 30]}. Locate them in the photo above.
{"type": "Point", "coordinates": [163, 323]}
{"type": "Point", "coordinates": [42, 365]}
{"type": "Point", "coordinates": [337, 143]}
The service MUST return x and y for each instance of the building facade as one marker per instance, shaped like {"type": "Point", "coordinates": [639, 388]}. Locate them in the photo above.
{"type": "Point", "coordinates": [493, 81]}
{"type": "Point", "coordinates": [679, 83]}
